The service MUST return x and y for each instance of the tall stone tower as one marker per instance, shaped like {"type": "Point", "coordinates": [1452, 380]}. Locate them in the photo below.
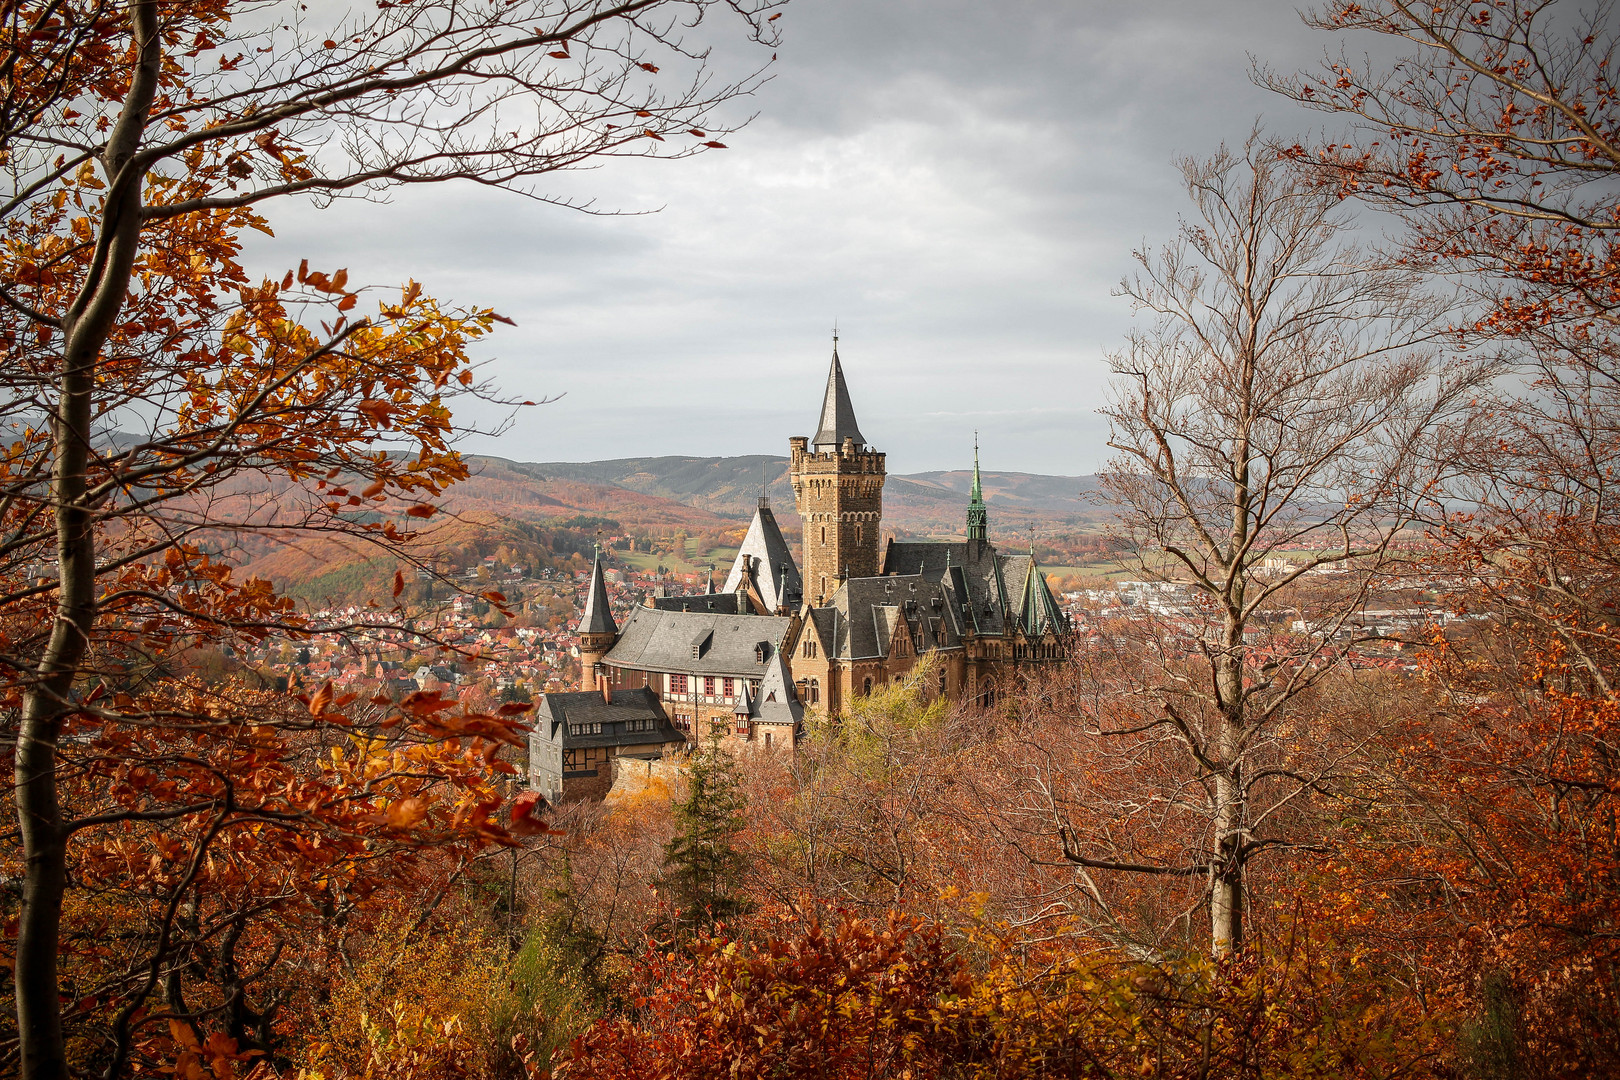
{"type": "Point", "coordinates": [838, 489]}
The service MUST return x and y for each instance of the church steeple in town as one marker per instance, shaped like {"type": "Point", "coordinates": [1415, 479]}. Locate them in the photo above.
{"type": "Point", "coordinates": [978, 518]}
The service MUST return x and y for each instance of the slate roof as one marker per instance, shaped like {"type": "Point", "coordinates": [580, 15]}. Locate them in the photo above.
{"type": "Point", "coordinates": [868, 612]}
{"type": "Point", "coordinates": [994, 594]}
{"type": "Point", "coordinates": [725, 603]}
{"type": "Point", "coordinates": [837, 414]}
{"type": "Point", "coordinates": [598, 616]}
{"type": "Point", "coordinates": [976, 585]}
{"type": "Point", "coordinates": [823, 623]}
{"type": "Point", "coordinates": [557, 711]}
{"type": "Point", "coordinates": [697, 643]}
{"type": "Point", "coordinates": [766, 562]}
{"type": "Point", "coordinates": [777, 702]}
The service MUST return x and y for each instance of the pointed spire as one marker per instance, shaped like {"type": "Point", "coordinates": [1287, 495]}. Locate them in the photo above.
{"type": "Point", "coordinates": [837, 414]}
{"type": "Point", "coordinates": [710, 575]}
{"type": "Point", "coordinates": [598, 615]}
{"type": "Point", "coordinates": [978, 517]}
{"type": "Point", "coordinates": [978, 488]}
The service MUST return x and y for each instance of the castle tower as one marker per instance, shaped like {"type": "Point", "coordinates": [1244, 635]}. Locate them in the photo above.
{"type": "Point", "coordinates": [597, 630]}
{"type": "Point", "coordinates": [838, 490]}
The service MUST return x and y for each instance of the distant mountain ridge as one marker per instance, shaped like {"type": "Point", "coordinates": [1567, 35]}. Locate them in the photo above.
{"type": "Point", "coordinates": [729, 487]}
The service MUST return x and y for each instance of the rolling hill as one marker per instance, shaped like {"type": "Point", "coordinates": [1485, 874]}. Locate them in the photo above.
{"type": "Point", "coordinates": [728, 487]}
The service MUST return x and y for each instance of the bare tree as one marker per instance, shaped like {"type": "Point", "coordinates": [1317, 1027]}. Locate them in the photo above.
{"type": "Point", "coordinates": [1280, 416]}
{"type": "Point", "coordinates": [1494, 134]}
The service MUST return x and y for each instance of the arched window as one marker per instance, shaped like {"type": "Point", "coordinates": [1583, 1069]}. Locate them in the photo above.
{"type": "Point", "coordinates": [860, 533]}
{"type": "Point", "coordinates": [867, 687]}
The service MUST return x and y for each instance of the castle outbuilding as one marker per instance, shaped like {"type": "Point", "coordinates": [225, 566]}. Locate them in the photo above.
{"type": "Point", "coordinates": [747, 663]}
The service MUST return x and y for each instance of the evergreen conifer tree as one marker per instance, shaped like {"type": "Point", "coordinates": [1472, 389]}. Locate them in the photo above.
{"type": "Point", "coordinates": [703, 869]}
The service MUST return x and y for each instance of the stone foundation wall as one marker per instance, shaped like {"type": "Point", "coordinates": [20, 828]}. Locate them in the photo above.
{"type": "Point", "coordinates": [634, 778]}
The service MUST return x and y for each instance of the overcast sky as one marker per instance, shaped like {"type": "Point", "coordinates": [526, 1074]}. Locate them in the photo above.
{"type": "Point", "coordinates": [960, 183]}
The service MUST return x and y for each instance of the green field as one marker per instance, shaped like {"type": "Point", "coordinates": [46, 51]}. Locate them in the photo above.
{"type": "Point", "coordinates": [695, 561]}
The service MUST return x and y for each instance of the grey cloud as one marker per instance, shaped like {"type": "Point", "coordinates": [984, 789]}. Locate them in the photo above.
{"type": "Point", "coordinates": [959, 182]}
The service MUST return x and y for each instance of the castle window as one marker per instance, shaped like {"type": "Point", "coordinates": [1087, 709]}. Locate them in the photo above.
{"type": "Point", "coordinates": [677, 684]}
{"type": "Point", "coordinates": [942, 679]}
{"type": "Point", "coordinates": [824, 534]}
{"type": "Point", "coordinates": [867, 687]}
{"type": "Point", "coordinates": [708, 686]}
{"type": "Point", "coordinates": [815, 691]}
{"type": "Point", "coordinates": [809, 648]}
{"type": "Point", "coordinates": [860, 533]}
{"type": "Point", "coordinates": [728, 687]}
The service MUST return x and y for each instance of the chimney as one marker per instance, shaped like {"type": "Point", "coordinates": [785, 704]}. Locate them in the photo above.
{"type": "Point", "coordinates": [607, 691]}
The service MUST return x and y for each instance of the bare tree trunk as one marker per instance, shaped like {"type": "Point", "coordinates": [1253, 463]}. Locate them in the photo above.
{"type": "Point", "coordinates": [1226, 867]}
{"type": "Point", "coordinates": [48, 701]}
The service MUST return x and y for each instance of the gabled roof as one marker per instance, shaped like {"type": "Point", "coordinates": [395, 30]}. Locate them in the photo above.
{"type": "Point", "coordinates": [823, 624]}
{"type": "Point", "coordinates": [867, 612]}
{"type": "Point", "coordinates": [971, 566]}
{"type": "Point", "coordinates": [837, 414]}
{"type": "Point", "coordinates": [766, 562]}
{"type": "Point", "coordinates": [558, 711]}
{"type": "Point", "coordinates": [598, 616]}
{"type": "Point", "coordinates": [698, 642]}
{"type": "Point", "coordinates": [992, 594]}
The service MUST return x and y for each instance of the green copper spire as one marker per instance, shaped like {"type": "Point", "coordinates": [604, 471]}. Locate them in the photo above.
{"type": "Point", "coordinates": [978, 519]}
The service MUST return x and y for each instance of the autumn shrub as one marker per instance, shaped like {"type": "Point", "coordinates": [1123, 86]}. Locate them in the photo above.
{"type": "Point", "coordinates": [904, 998]}
{"type": "Point", "coordinates": [413, 1004]}
{"type": "Point", "coordinates": [855, 1000]}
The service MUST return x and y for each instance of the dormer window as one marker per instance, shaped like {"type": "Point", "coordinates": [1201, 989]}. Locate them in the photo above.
{"type": "Point", "coordinates": [762, 652]}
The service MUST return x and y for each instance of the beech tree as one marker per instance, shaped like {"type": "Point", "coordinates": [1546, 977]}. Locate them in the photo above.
{"type": "Point", "coordinates": [1279, 415]}
{"type": "Point", "coordinates": [1495, 136]}
{"type": "Point", "coordinates": [160, 407]}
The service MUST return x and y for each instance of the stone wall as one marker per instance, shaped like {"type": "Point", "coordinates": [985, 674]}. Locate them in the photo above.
{"type": "Point", "coordinates": [635, 778]}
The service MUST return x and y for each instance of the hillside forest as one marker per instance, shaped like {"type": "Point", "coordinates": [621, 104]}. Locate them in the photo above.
{"type": "Point", "coordinates": [1211, 843]}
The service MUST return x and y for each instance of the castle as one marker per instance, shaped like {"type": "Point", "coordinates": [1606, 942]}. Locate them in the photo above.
{"type": "Point", "coordinates": [746, 663]}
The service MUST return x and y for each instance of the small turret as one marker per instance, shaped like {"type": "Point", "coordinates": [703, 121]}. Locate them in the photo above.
{"type": "Point", "coordinates": [597, 630]}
